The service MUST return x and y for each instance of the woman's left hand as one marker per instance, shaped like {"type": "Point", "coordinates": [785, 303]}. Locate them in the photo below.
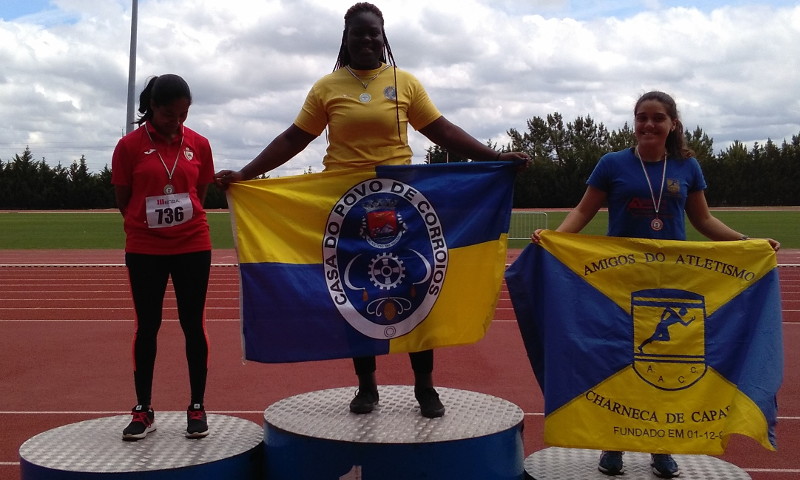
{"type": "Point", "coordinates": [224, 178]}
{"type": "Point", "coordinates": [774, 244]}
{"type": "Point", "coordinates": [536, 236]}
{"type": "Point", "coordinates": [511, 156]}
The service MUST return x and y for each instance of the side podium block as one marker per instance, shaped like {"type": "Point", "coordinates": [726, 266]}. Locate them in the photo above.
{"type": "Point", "coordinates": [557, 463]}
{"type": "Point", "coordinates": [314, 436]}
{"type": "Point", "coordinates": [95, 449]}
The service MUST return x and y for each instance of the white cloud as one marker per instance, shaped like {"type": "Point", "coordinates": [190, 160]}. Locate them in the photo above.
{"type": "Point", "coordinates": [488, 65]}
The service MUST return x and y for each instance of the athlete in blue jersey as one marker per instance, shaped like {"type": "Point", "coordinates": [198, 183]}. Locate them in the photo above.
{"type": "Point", "coordinates": [632, 211]}
{"type": "Point", "coordinates": [648, 188]}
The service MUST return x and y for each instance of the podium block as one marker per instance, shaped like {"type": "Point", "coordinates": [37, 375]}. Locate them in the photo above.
{"type": "Point", "coordinates": [555, 463]}
{"type": "Point", "coordinates": [315, 436]}
{"type": "Point", "coordinates": [95, 449]}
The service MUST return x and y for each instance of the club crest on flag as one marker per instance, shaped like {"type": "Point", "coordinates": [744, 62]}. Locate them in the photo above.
{"type": "Point", "coordinates": [382, 227]}
{"type": "Point", "coordinates": [668, 337]}
{"type": "Point", "coordinates": [385, 257]}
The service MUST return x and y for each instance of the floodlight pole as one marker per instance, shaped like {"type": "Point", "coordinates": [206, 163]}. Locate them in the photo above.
{"type": "Point", "coordinates": [132, 68]}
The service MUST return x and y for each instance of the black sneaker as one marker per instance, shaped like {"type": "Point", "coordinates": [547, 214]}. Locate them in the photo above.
{"type": "Point", "coordinates": [143, 423]}
{"type": "Point", "coordinates": [196, 421]}
{"type": "Point", "coordinates": [664, 466]}
{"type": "Point", "coordinates": [365, 401]}
{"type": "Point", "coordinates": [429, 404]}
{"type": "Point", "coordinates": [611, 463]}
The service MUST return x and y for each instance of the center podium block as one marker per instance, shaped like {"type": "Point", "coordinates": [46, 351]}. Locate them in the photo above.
{"type": "Point", "coordinates": [315, 436]}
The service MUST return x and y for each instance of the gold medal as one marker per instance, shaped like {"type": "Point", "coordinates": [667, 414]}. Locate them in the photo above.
{"type": "Point", "coordinates": [169, 189]}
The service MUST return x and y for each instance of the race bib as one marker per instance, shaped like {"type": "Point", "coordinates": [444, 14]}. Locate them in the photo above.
{"type": "Point", "coordinates": [168, 210]}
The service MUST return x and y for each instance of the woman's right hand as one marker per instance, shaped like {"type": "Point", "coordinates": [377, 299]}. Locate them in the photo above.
{"type": "Point", "coordinates": [536, 235]}
{"type": "Point", "coordinates": [224, 178]}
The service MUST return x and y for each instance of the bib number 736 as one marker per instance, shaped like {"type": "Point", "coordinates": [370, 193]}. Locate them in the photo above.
{"type": "Point", "coordinates": [170, 215]}
{"type": "Point", "coordinates": [168, 210]}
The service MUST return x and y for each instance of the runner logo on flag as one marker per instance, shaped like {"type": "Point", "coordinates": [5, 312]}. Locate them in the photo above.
{"type": "Point", "coordinates": [669, 337]}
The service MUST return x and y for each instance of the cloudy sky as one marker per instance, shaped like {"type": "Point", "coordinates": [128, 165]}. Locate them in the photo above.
{"type": "Point", "coordinates": [733, 66]}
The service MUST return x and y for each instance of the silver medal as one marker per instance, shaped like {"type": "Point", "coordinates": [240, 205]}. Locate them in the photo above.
{"type": "Point", "coordinates": [169, 189]}
{"type": "Point", "coordinates": [364, 97]}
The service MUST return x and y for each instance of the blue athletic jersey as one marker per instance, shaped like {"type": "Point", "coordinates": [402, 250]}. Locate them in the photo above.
{"type": "Point", "coordinates": [630, 204]}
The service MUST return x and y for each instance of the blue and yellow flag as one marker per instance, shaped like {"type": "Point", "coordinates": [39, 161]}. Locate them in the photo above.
{"type": "Point", "coordinates": [370, 261]}
{"type": "Point", "coordinates": [651, 345]}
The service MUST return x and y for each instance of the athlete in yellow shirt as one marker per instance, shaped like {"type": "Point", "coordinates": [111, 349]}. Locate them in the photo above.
{"type": "Point", "coordinates": [366, 104]}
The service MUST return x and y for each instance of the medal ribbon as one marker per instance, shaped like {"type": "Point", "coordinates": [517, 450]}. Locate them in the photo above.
{"type": "Point", "coordinates": [177, 157]}
{"type": "Point", "coordinates": [656, 206]}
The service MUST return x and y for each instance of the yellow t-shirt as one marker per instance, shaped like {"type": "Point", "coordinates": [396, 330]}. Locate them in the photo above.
{"type": "Point", "coordinates": [363, 122]}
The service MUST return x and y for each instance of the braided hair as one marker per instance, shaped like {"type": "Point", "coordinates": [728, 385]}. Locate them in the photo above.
{"type": "Point", "coordinates": [676, 141]}
{"type": "Point", "coordinates": [343, 59]}
{"type": "Point", "coordinates": [161, 90]}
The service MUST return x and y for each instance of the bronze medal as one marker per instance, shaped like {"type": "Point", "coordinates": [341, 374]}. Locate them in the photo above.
{"type": "Point", "coordinates": [656, 224]}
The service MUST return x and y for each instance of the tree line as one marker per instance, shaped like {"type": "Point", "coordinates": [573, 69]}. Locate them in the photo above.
{"type": "Point", "coordinates": [29, 184]}
{"type": "Point", "coordinates": [563, 155]}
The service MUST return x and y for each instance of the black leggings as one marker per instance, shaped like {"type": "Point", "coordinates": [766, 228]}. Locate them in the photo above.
{"type": "Point", "coordinates": [148, 276]}
{"type": "Point", "coordinates": [421, 362]}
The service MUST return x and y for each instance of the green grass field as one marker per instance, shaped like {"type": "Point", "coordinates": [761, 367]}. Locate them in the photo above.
{"type": "Point", "coordinates": [102, 230]}
{"type": "Point", "coordinates": [782, 225]}
{"type": "Point", "coordinates": [84, 230]}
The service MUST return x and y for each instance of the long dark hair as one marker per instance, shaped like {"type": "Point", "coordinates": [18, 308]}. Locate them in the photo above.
{"type": "Point", "coordinates": [161, 90]}
{"type": "Point", "coordinates": [343, 59]}
{"type": "Point", "coordinates": [676, 141]}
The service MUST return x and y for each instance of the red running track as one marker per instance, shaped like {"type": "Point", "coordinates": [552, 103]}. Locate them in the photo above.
{"type": "Point", "coordinates": [65, 346]}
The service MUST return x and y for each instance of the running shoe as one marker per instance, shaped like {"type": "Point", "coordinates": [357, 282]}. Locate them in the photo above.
{"type": "Point", "coordinates": [196, 421]}
{"type": "Point", "coordinates": [143, 423]}
{"type": "Point", "coordinates": [664, 466]}
{"type": "Point", "coordinates": [611, 463]}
